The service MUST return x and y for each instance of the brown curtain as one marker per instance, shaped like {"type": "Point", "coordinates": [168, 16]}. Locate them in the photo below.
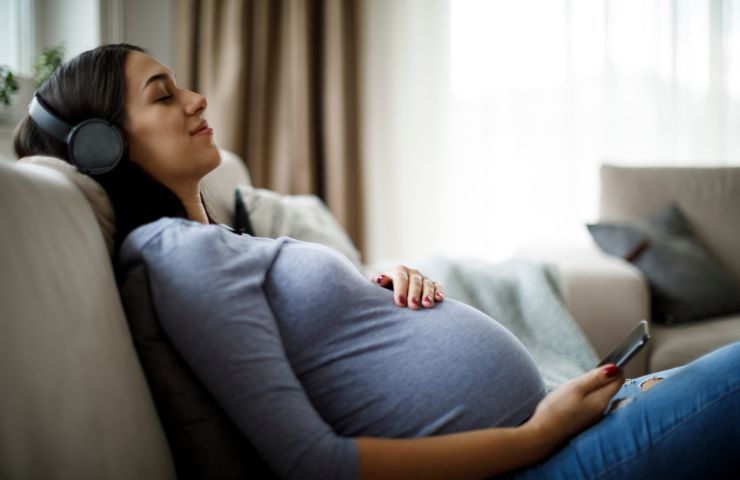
{"type": "Point", "coordinates": [281, 79]}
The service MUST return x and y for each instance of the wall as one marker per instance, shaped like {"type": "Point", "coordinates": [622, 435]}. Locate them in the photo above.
{"type": "Point", "coordinates": [149, 24]}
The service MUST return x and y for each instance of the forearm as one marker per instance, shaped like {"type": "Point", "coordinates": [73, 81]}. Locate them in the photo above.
{"type": "Point", "coordinates": [475, 454]}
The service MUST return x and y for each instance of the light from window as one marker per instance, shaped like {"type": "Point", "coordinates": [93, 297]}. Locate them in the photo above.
{"type": "Point", "coordinates": [16, 35]}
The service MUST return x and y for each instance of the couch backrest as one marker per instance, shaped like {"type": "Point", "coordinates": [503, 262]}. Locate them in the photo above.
{"type": "Point", "coordinates": [75, 402]}
{"type": "Point", "coordinates": [708, 196]}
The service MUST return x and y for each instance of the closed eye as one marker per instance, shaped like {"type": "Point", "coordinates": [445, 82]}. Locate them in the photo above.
{"type": "Point", "coordinates": [164, 99]}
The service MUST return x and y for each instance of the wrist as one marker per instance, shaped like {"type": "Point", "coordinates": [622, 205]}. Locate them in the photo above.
{"type": "Point", "coordinates": [542, 441]}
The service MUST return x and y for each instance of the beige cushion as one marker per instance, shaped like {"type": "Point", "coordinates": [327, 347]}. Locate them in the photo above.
{"type": "Point", "coordinates": [218, 189]}
{"type": "Point", "coordinates": [708, 196]}
{"type": "Point", "coordinates": [75, 403]}
{"type": "Point", "coordinates": [303, 217]}
{"type": "Point", "coordinates": [677, 345]}
{"type": "Point", "coordinates": [93, 192]}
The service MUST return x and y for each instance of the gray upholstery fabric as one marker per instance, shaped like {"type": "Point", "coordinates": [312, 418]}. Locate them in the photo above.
{"type": "Point", "coordinates": [686, 283]}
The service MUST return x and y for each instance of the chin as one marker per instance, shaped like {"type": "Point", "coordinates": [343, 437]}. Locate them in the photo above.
{"type": "Point", "coordinates": [212, 159]}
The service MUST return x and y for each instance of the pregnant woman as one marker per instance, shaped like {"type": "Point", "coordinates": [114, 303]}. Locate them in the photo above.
{"type": "Point", "coordinates": [332, 376]}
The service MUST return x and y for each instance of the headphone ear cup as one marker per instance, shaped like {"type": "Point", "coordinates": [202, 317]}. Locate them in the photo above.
{"type": "Point", "coordinates": [96, 146]}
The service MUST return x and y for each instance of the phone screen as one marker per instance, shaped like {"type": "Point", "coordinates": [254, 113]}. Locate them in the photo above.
{"type": "Point", "coordinates": [629, 347]}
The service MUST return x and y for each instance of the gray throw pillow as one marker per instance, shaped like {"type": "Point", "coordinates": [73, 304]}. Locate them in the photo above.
{"type": "Point", "coordinates": [204, 442]}
{"type": "Point", "coordinates": [686, 282]}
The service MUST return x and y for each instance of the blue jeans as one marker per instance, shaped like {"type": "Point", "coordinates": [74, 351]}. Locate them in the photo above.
{"type": "Point", "coordinates": [685, 426]}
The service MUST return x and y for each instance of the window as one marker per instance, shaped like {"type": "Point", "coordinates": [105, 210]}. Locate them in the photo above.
{"type": "Point", "coordinates": [498, 113]}
{"type": "Point", "coordinates": [16, 35]}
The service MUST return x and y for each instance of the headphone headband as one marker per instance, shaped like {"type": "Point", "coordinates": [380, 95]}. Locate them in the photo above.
{"type": "Point", "coordinates": [48, 122]}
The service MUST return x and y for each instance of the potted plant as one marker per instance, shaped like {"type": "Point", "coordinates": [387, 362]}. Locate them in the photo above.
{"type": "Point", "coordinates": [11, 86]}
{"type": "Point", "coordinates": [8, 85]}
{"type": "Point", "coordinates": [46, 62]}
{"type": "Point", "coordinates": [16, 90]}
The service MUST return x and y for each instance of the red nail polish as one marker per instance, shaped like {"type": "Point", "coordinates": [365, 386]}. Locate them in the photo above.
{"type": "Point", "coordinates": [611, 370]}
{"type": "Point", "coordinates": [428, 299]}
{"type": "Point", "coordinates": [379, 279]}
{"type": "Point", "coordinates": [402, 300]}
{"type": "Point", "coordinates": [415, 301]}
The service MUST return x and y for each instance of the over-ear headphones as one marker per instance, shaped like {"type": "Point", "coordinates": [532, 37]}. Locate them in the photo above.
{"type": "Point", "coordinates": [95, 145]}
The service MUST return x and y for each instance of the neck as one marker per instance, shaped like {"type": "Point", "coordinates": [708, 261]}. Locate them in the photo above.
{"type": "Point", "coordinates": [194, 207]}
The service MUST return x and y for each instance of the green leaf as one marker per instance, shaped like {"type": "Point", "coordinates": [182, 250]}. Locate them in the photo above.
{"type": "Point", "coordinates": [8, 85]}
{"type": "Point", "coordinates": [46, 62]}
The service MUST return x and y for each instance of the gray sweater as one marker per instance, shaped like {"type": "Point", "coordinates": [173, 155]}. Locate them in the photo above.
{"type": "Point", "coordinates": [304, 353]}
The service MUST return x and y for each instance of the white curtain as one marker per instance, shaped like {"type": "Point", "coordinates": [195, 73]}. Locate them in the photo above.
{"type": "Point", "coordinates": [486, 120]}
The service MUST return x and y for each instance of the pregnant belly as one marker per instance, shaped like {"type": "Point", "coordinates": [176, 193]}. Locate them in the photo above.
{"type": "Point", "coordinates": [372, 368]}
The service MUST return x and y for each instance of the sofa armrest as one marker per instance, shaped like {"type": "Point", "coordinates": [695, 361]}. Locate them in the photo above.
{"type": "Point", "coordinates": [605, 295]}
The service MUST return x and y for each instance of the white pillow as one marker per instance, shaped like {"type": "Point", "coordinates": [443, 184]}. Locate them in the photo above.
{"type": "Point", "coordinates": [303, 217]}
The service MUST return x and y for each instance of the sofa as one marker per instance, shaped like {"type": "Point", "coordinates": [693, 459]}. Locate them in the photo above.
{"type": "Point", "coordinates": [76, 403]}
{"type": "Point", "coordinates": [608, 295]}
{"type": "Point", "coordinates": [75, 400]}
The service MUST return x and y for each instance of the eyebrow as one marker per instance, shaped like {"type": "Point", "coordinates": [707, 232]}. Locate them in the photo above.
{"type": "Point", "coordinates": [159, 76]}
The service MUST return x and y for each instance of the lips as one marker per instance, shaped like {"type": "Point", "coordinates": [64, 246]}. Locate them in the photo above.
{"type": "Point", "coordinates": [201, 126]}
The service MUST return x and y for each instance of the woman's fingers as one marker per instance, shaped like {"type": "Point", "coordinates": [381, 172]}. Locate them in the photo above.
{"type": "Point", "coordinates": [400, 285]}
{"type": "Point", "coordinates": [596, 378]}
{"type": "Point", "coordinates": [438, 293]}
{"type": "Point", "coordinates": [411, 288]}
{"type": "Point", "coordinates": [613, 384]}
{"type": "Point", "coordinates": [427, 293]}
{"type": "Point", "coordinates": [416, 286]}
{"type": "Point", "coordinates": [383, 280]}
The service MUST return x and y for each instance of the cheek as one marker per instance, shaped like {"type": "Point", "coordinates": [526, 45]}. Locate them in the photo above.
{"type": "Point", "coordinates": [172, 154]}
{"type": "Point", "coordinates": [178, 157]}
{"type": "Point", "coordinates": [155, 145]}
{"type": "Point", "coordinates": [157, 154]}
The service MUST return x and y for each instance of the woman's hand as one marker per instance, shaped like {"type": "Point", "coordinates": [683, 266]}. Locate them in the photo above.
{"type": "Point", "coordinates": [575, 405]}
{"type": "Point", "coordinates": [410, 287]}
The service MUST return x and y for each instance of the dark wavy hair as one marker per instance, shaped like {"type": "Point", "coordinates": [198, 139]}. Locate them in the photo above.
{"type": "Point", "coordinates": [93, 85]}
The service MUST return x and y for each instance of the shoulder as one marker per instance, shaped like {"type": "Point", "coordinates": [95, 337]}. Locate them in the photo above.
{"type": "Point", "coordinates": [179, 243]}
{"type": "Point", "coordinates": [168, 234]}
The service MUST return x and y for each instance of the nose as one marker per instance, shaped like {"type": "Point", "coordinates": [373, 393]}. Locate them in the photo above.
{"type": "Point", "coordinates": [196, 103]}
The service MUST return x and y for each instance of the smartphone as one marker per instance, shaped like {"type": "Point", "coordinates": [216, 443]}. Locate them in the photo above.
{"type": "Point", "coordinates": [628, 348]}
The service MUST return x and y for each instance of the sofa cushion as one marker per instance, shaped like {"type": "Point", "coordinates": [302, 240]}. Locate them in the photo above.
{"type": "Point", "coordinates": [75, 402]}
{"type": "Point", "coordinates": [205, 443]}
{"type": "Point", "coordinates": [303, 217]}
{"type": "Point", "coordinates": [709, 197]}
{"type": "Point", "coordinates": [216, 186]}
{"type": "Point", "coordinates": [92, 190]}
{"type": "Point", "coordinates": [686, 283]}
{"type": "Point", "coordinates": [677, 345]}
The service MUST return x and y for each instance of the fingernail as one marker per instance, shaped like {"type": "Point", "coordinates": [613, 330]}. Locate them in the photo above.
{"type": "Point", "coordinates": [611, 370]}
{"type": "Point", "coordinates": [428, 299]}
{"type": "Point", "coordinates": [379, 279]}
{"type": "Point", "coordinates": [415, 301]}
{"type": "Point", "coordinates": [439, 296]}
{"type": "Point", "coordinates": [402, 301]}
